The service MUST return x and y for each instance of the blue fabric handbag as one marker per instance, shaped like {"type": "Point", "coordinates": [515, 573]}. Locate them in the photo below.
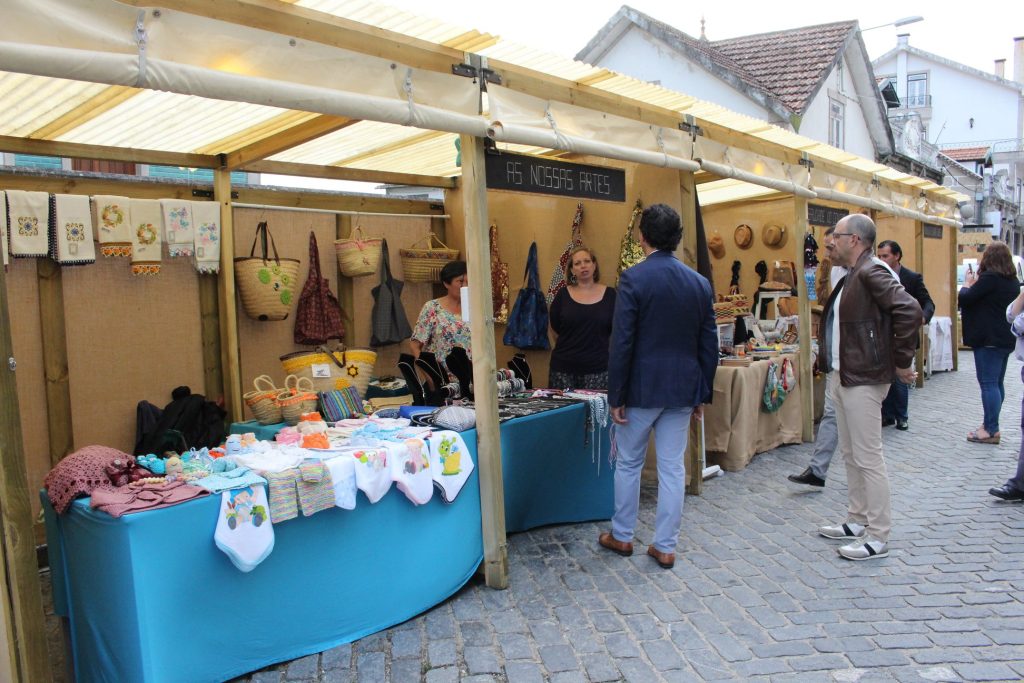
{"type": "Point", "coordinates": [528, 322]}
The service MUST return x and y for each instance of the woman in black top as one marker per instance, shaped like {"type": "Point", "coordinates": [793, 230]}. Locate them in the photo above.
{"type": "Point", "coordinates": [983, 300]}
{"type": "Point", "coordinates": [581, 316]}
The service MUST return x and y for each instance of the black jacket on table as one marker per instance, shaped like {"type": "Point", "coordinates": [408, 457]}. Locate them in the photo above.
{"type": "Point", "coordinates": [913, 282]}
{"type": "Point", "coordinates": [983, 310]}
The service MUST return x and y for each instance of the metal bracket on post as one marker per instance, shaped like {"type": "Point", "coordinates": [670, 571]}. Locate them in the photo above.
{"type": "Point", "coordinates": [806, 161]}
{"type": "Point", "coordinates": [475, 66]}
{"type": "Point", "coordinates": [689, 125]}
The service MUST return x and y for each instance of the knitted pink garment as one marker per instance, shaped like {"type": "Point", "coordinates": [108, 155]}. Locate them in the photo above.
{"type": "Point", "coordinates": [81, 472]}
{"type": "Point", "coordinates": [119, 500]}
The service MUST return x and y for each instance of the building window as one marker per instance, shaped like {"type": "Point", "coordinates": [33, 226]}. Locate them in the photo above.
{"type": "Point", "coordinates": [839, 76]}
{"type": "Point", "coordinates": [917, 90]}
{"type": "Point", "coordinates": [836, 129]}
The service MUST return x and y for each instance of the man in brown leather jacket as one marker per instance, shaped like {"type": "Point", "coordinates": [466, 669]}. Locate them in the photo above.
{"type": "Point", "coordinates": [867, 338]}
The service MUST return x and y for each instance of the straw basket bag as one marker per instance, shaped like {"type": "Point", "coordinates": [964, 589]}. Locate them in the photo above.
{"type": "Point", "coordinates": [329, 370]}
{"type": "Point", "coordinates": [261, 401]}
{"type": "Point", "coordinates": [425, 264]}
{"type": "Point", "coordinates": [297, 398]}
{"type": "Point", "coordinates": [358, 255]}
{"type": "Point", "coordinates": [266, 284]}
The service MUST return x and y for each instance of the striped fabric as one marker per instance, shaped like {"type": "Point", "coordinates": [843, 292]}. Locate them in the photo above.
{"type": "Point", "coordinates": [341, 404]}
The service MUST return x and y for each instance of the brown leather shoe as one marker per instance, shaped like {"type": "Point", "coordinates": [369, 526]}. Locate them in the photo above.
{"type": "Point", "coordinates": [616, 546]}
{"type": "Point", "coordinates": [665, 560]}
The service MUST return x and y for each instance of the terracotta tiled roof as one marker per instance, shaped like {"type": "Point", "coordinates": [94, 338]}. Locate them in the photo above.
{"type": "Point", "coordinates": [791, 63]}
{"type": "Point", "coordinates": [966, 153]}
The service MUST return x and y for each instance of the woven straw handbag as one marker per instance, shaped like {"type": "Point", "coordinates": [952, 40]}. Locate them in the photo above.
{"type": "Point", "coordinates": [358, 255]}
{"type": "Point", "coordinates": [421, 264]}
{"type": "Point", "coordinates": [329, 370]}
{"type": "Point", "coordinates": [262, 400]}
{"type": "Point", "coordinates": [266, 284]}
{"type": "Point", "coordinates": [297, 398]}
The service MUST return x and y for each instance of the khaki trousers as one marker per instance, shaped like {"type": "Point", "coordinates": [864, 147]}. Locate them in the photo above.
{"type": "Point", "coordinates": [859, 419]}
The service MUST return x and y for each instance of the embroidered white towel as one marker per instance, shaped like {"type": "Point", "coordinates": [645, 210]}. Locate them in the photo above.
{"type": "Point", "coordinates": [373, 476]}
{"type": "Point", "coordinates": [3, 227]}
{"type": "Point", "coordinates": [206, 218]}
{"type": "Point", "coordinates": [29, 214]}
{"type": "Point", "coordinates": [145, 236]}
{"type": "Point", "coordinates": [411, 471]}
{"type": "Point", "coordinates": [71, 230]}
{"type": "Point", "coordinates": [179, 230]}
{"type": "Point", "coordinates": [450, 463]}
{"type": "Point", "coordinates": [113, 224]}
{"type": "Point", "coordinates": [244, 531]}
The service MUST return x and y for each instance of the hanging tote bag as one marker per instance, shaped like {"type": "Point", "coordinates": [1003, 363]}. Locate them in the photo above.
{"type": "Point", "coordinates": [266, 284]}
{"type": "Point", "coordinates": [318, 316]}
{"type": "Point", "coordinates": [358, 255]}
{"type": "Point", "coordinates": [388, 321]}
{"type": "Point", "coordinates": [528, 322]}
{"type": "Point", "coordinates": [424, 264]}
{"type": "Point", "coordinates": [558, 277]}
{"type": "Point", "coordinates": [499, 280]}
{"type": "Point", "coordinates": [630, 251]}
{"type": "Point", "coordinates": [330, 370]}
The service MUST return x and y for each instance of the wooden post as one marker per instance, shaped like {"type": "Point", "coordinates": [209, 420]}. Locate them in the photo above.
{"type": "Point", "coordinates": [695, 456]}
{"type": "Point", "coordinates": [804, 368]}
{"type": "Point", "coordinates": [209, 329]}
{"type": "Point", "coordinates": [22, 599]}
{"type": "Point", "coordinates": [228, 306]}
{"type": "Point", "coordinates": [923, 332]}
{"type": "Point", "coordinates": [346, 288]}
{"type": "Point", "coordinates": [954, 328]}
{"type": "Point", "coordinates": [55, 359]}
{"type": "Point", "coordinates": [481, 326]}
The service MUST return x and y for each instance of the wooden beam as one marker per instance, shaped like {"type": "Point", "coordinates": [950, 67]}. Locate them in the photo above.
{"type": "Point", "coordinates": [81, 184]}
{"type": "Point", "coordinates": [228, 308]}
{"type": "Point", "coordinates": [485, 397]}
{"type": "Point", "coordinates": [22, 597]}
{"type": "Point", "coordinates": [923, 332]}
{"type": "Point", "coordinates": [291, 137]}
{"type": "Point", "coordinates": [336, 202]}
{"type": "Point", "coordinates": [806, 373]}
{"type": "Point", "coordinates": [358, 174]}
{"type": "Point", "coordinates": [98, 104]}
{"type": "Point", "coordinates": [426, 136]}
{"type": "Point", "coordinates": [55, 359]}
{"type": "Point", "coordinates": [694, 456]}
{"type": "Point", "coordinates": [209, 328]}
{"type": "Point", "coordinates": [76, 150]}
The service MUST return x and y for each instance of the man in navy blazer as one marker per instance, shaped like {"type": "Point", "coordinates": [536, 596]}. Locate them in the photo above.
{"type": "Point", "coordinates": [663, 357]}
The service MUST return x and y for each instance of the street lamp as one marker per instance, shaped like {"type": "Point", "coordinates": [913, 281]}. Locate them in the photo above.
{"type": "Point", "coordinates": [899, 22]}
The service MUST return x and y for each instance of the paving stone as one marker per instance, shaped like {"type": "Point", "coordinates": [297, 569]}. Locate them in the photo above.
{"type": "Point", "coordinates": [903, 641]}
{"type": "Point", "coordinates": [986, 672]}
{"type": "Point", "coordinates": [558, 658]}
{"type": "Point", "coordinates": [302, 669]}
{"type": "Point", "coordinates": [481, 659]}
{"type": "Point", "coordinates": [337, 657]}
{"type": "Point", "coordinates": [524, 672]}
{"type": "Point", "coordinates": [877, 658]}
{"type": "Point", "coordinates": [621, 645]}
{"type": "Point", "coordinates": [601, 668]}
{"type": "Point", "coordinates": [441, 653]}
{"type": "Point", "coordinates": [475, 633]}
{"type": "Point", "coordinates": [370, 666]}
{"type": "Point", "coordinates": [516, 646]}
{"type": "Point", "coordinates": [406, 643]}
{"type": "Point", "coordinates": [406, 669]}
{"type": "Point", "coordinates": [447, 674]}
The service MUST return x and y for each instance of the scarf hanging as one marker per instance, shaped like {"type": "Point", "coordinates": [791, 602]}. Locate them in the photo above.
{"type": "Point", "coordinates": [29, 216]}
{"type": "Point", "coordinates": [179, 229]}
{"type": "Point", "coordinates": [3, 228]}
{"type": "Point", "coordinates": [113, 224]}
{"type": "Point", "coordinates": [145, 236]}
{"type": "Point", "coordinates": [206, 247]}
{"type": "Point", "coordinates": [71, 230]}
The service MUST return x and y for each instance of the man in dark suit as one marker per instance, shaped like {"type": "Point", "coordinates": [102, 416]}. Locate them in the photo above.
{"type": "Point", "coordinates": [894, 407]}
{"type": "Point", "coordinates": [663, 357]}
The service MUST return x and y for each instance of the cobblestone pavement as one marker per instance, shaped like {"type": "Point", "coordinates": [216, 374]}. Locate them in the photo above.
{"type": "Point", "coordinates": [756, 594]}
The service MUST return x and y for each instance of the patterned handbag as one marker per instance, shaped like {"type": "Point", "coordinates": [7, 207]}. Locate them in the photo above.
{"type": "Point", "coordinates": [528, 321]}
{"type": "Point", "coordinates": [630, 251]}
{"type": "Point", "coordinates": [318, 317]}
{"type": "Point", "coordinates": [388, 320]}
{"type": "Point", "coordinates": [558, 277]}
{"type": "Point", "coordinates": [499, 280]}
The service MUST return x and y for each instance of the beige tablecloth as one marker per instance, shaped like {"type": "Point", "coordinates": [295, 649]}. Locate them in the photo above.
{"type": "Point", "coordinates": [736, 425]}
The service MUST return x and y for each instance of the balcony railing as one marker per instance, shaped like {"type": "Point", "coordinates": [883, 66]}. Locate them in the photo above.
{"type": "Point", "coordinates": [919, 101]}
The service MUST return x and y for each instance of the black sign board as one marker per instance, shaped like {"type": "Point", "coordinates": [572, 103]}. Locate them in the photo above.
{"type": "Point", "coordinates": [524, 173]}
{"type": "Point", "coordinates": [825, 215]}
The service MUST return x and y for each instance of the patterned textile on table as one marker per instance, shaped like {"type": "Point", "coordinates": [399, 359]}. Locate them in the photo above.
{"type": "Point", "coordinates": [147, 218]}
{"type": "Point", "coordinates": [113, 224]}
{"type": "Point", "coordinates": [81, 472]}
{"type": "Point", "coordinates": [71, 230]}
{"type": "Point", "coordinates": [28, 214]}
{"type": "Point", "coordinates": [307, 486]}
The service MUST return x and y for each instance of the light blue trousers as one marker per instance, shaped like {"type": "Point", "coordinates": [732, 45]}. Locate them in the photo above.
{"type": "Point", "coordinates": [671, 429]}
{"type": "Point", "coordinates": [826, 442]}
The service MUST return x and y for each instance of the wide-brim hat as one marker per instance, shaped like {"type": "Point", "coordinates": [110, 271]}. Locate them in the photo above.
{"type": "Point", "coordinates": [743, 236]}
{"type": "Point", "coordinates": [774, 235]}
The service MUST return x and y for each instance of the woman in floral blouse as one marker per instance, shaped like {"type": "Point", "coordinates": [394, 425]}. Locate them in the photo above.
{"type": "Point", "coordinates": [440, 327]}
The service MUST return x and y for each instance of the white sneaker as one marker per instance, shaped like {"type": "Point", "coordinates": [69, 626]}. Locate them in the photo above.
{"type": "Point", "coordinates": [868, 549]}
{"type": "Point", "coordinates": [847, 530]}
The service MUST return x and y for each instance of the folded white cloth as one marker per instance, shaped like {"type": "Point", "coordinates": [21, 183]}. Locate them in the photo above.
{"type": "Point", "coordinates": [145, 236]}
{"type": "Point", "coordinates": [113, 224]}
{"type": "Point", "coordinates": [343, 476]}
{"type": "Point", "coordinates": [71, 230]}
{"type": "Point", "coordinates": [179, 230]}
{"type": "Point", "coordinates": [206, 247]}
{"type": "Point", "coordinates": [3, 227]}
{"type": "Point", "coordinates": [450, 463]}
{"type": "Point", "coordinates": [373, 476]}
{"type": "Point", "coordinates": [29, 215]}
{"type": "Point", "coordinates": [411, 471]}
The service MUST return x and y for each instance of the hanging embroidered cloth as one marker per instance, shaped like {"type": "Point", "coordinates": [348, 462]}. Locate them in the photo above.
{"type": "Point", "coordinates": [206, 236]}
{"type": "Point", "coordinates": [179, 229]}
{"type": "Point", "coordinates": [113, 224]}
{"type": "Point", "coordinates": [145, 236]}
{"type": "Point", "coordinates": [558, 277]}
{"type": "Point", "coordinates": [71, 230]}
{"type": "Point", "coordinates": [29, 216]}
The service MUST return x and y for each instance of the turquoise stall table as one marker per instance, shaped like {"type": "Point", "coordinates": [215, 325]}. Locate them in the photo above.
{"type": "Point", "coordinates": [150, 598]}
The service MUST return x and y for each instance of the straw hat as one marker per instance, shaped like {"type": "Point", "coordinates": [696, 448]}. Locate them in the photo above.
{"type": "Point", "coordinates": [716, 245]}
{"type": "Point", "coordinates": [743, 236]}
{"type": "Point", "coordinates": [774, 235]}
